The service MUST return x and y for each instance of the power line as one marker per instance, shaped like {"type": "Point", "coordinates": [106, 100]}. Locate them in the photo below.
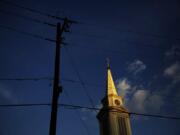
{"type": "Point", "coordinates": [26, 79]}
{"type": "Point", "coordinates": [52, 40]}
{"type": "Point", "coordinates": [164, 37]}
{"type": "Point", "coordinates": [111, 51]}
{"type": "Point", "coordinates": [36, 11]}
{"type": "Point", "coordinates": [46, 78]}
{"type": "Point", "coordinates": [73, 21]}
{"type": "Point", "coordinates": [27, 33]}
{"type": "Point", "coordinates": [99, 49]}
{"type": "Point", "coordinates": [81, 34]}
{"type": "Point", "coordinates": [140, 43]}
{"type": "Point", "coordinates": [73, 81]}
{"type": "Point", "coordinates": [25, 105]}
{"type": "Point", "coordinates": [116, 52]}
{"type": "Point", "coordinates": [26, 18]}
{"type": "Point", "coordinates": [70, 106]}
{"type": "Point", "coordinates": [78, 114]}
{"type": "Point", "coordinates": [79, 77]}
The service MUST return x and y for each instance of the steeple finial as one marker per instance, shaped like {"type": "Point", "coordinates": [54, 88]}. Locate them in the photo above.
{"type": "Point", "coordinates": [108, 63]}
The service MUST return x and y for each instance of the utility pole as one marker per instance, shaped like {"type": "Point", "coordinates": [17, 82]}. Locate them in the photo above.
{"type": "Point", "coordinates": [57, 88]}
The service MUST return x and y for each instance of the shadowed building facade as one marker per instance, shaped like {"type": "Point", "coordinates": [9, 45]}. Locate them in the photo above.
{"type": "Point", "coordinates": [113, 117]}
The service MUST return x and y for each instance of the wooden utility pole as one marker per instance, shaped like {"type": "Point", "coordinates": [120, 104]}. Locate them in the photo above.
{"type": "Point", "coordinates": [57, 88]}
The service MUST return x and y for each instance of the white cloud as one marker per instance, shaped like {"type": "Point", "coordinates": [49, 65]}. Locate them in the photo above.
{"type": "Point", "coordinates": [137, 103]}
{"type": "Point", "coordinates": [136, 67]}
{"type": "Point", "coordinates": [123, 87]}
{"type": "Point", "coordinates": [144, 101]}
{"type": "Point", "coordinates": [173, 72]}
{"type": "Point", "coordinates": [137, 98]}
{"type": "Point", "coordinates": [6, 95]}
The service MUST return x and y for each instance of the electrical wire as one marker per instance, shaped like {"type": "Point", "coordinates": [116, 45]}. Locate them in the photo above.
{"type": "Point", "coordinates": [73, 21]}
{"type": "Point", "coordinates": [26, 79]}
{"type": "Point", "coordinates": [26, 18]}
{"type": "Point", "coordinates": [27, 33]}
{"type": "Point", "coordinates": [138, 33]}
{"type": "Point", "coordinates": [47, 78]}
{"type": "Point", "coordinates": [113, 52]}
{"type": "Point", "coordinates": [74, 81]}
{"type": "Point", "coordinates": [70, 106]}
{"type": "Point", "coordinates": [77, 113]}
{"type": "Point", "coordinates": [76, 33]}
{"type": "Point", "coordinates": [52, 40]}
{"type": "Point", "coordinates": [36, 11]}
{"type": "Point", "coordinates": [121, 41]}
{"type": "Point", "coordinates": [79, 77]}
{"type": "Point", "coordinates": [94, 48]}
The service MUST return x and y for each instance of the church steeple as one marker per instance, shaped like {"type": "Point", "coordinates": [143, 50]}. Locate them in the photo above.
{"type": "Point", "coordinates": [113, 117]}
{"type": "Point", "coordinates": [110, 86]}
{"type": "Point", "coordinates": [111, 98]}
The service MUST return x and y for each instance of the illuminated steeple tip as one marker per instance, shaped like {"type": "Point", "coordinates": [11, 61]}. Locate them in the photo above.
{"type": "Point", "coordinates": [108, 63]}
{"type": "Point", "coordinates": [111, 89]}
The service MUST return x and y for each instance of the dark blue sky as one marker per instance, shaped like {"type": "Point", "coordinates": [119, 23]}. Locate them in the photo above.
{"type": "Point", "coordinates": [142, 40]}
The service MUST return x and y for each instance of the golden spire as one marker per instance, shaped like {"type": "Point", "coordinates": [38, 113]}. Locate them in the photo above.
{"type": "Point", "coordinates": [111, 89]}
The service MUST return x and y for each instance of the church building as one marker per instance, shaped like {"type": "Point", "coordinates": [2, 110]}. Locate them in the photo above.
{"type": "Point", "coordinates": [113, 117]}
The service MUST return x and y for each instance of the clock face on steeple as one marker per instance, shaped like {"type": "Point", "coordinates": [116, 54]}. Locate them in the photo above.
{"type": "Point", "coordinates": [117, 102]}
